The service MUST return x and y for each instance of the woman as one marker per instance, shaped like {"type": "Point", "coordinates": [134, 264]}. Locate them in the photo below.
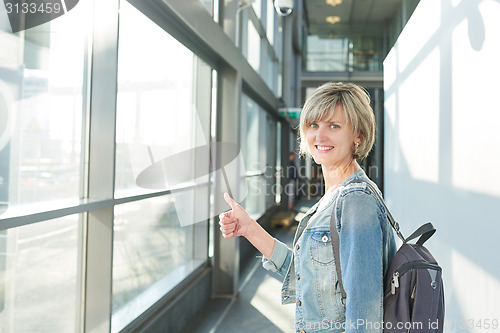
{"type": "Point", "coordinates": [337, 126]}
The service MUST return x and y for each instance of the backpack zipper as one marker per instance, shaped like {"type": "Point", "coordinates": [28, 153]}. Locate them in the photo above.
{"type": "Point", "coordinates": [413, 292]}
{"type": "Point", "coordinates": [405, 268]}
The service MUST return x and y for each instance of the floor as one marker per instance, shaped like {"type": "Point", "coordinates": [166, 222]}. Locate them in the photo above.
{"type": "Point", "coordinates": [257, 307]}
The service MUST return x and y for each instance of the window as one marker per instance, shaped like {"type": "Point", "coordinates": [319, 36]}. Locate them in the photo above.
{"type": "Point", "coordinates": [42, 77]}
{"type": "Point", "coordinates": [163, 112]}
{"type": "Point", "coordinates": [154, 234]}
{"type": "Point", "coordinates": [157, 113]}
{"type": "Point", "coordinates": [271, 18]}
{"type": "Point", "coordinates": [356, 51]}
{"type": "Point", "coordinates": [39, 276]}
{"type": "Point", "coordinates": [42, 106]}
{"type": "Point", "coordinates": [254, 47]}
{"type": "Point", "coordinates": [259, 157]}
{"type": "Point", "coordinates": [152, 253]}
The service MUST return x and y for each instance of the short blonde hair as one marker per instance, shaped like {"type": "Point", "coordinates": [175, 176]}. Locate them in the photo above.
{"type": "Point", "coordinates": [355, 102]}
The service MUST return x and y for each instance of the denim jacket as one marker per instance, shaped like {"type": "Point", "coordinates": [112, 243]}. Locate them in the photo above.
{"type": "Point", "coordinates": [366, 247]}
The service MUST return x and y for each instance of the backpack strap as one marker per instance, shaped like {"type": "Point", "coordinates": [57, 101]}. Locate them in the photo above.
{"type": "Point", "coordinates": [392, 221]}
{"type": "Point", "coordinates": [425, 232]}
{"type": "Point", "coordinates": [334, 235]}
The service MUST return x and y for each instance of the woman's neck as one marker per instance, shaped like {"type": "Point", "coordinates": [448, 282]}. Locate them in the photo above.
{"type": "Point", "coordinates": [335, 175]}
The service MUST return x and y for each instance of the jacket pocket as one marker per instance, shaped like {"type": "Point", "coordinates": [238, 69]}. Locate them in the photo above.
{"type": "Point", "coordinates": [324, 295]}
{"type": "Point", "coordinates": [321, 247]}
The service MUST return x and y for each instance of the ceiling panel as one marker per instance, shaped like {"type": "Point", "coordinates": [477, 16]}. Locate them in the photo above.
{"type": "Point", "coordinates": [348, 13]}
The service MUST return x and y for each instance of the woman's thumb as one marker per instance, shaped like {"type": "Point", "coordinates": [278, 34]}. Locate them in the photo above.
{"type": "Point", "coordinates": [230, 201]}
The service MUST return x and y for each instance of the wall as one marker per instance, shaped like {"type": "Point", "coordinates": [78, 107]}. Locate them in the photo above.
{"type": "Point", "coordinates": [441, 148]}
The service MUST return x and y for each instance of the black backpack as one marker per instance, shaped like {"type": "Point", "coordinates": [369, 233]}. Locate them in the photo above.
{"type": "Point", "coordinates": [413, 285]}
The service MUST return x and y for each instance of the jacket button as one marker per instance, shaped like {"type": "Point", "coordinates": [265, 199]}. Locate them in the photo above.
{"type": "Point", "coordinates": [324, 238]}
{"type": "Point", "coordinates": [298, 277]}
{"type": "Point", "coordinates": [299, 303]}
{"type": "Point", "coordinates": [297, 246]}
{"type": "Point", "coordinates": [302, 331]}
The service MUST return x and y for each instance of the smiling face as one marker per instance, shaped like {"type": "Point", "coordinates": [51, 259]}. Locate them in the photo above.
{"type": "Point", "coordinates": [351, 106]}
{"type": "Point", "coordinates": [331, 141]}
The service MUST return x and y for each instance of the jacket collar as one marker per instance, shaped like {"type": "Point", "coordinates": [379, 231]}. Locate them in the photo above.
{"type": "Point", "coordinates": [359, 174]}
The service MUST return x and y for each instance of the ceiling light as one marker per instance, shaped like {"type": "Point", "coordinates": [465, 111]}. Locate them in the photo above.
{"type": "Point", "coordinates": [333, 3]}
{"type": "Point", "coordinates": [332, 19]}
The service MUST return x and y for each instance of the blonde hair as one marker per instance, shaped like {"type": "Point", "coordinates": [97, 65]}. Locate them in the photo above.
{"type": "Point", "coordinates": [355, 102]}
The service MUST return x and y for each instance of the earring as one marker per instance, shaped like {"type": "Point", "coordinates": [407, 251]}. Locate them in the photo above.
{"type": "Point", "coordinates": [355, 153]}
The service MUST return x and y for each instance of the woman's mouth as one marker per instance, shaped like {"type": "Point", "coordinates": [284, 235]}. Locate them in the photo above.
{"type": "Point", "coordinates": [323, 148]}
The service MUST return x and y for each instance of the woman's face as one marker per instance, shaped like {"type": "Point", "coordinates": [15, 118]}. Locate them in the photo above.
{"type": "Point", "coordinates": [331, 141]}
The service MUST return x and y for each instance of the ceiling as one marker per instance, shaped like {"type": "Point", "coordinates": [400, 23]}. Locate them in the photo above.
{"type": "Point", "coordinates": [367, 17]}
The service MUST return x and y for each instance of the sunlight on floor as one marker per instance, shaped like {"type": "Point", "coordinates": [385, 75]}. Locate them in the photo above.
{"type": "Point", "coordinates": [267, 302]}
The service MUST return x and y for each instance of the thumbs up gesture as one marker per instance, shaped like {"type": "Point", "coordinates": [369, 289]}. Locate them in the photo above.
{"type": "Point", "coordinates": [235, 222]}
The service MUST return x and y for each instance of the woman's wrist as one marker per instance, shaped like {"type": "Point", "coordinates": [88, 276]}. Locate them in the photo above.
{"type": "Point", "coordinates": [260, 238]}
{"type": "Point", "coordinates": [252, 231]}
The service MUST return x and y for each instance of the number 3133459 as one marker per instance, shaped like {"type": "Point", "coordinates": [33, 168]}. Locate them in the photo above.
{"type": "Point", "coordinates": [33, 8]}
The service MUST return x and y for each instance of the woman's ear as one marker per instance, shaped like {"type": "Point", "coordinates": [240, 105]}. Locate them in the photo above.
{"type": "Point", "coordinates": [360, 139]}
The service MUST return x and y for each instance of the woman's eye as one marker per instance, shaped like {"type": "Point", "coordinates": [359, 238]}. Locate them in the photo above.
{"type": "Point", "coordinates": [314, 125]}
{"type": "Point", "coordinates": [334, 126]}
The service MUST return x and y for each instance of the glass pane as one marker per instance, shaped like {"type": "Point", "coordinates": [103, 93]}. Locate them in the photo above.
{"type": "Point", "coordinates": [260, 164]}
{"type": "Point", "coordinates": [256, 196]}
{"type": "Point", "coordinates": [350, 48]}
{"type": "Point", "coordinates": [326, 54]}
{"type": "Point", "coordinates": [257, 5]}
{"type": "Point", "coordinates": [163, 112]}
{"type": "Point", "coordinates": [270, 171]}
{"type": "Point", "coordinates": [271, 15]}
{"type": "Point", "coordinates": [42, 78]}
{"type": "Point", "coordinates": [151, 254]}
{"type": "Point", "coordinates": [270, 73]}
{"type": "Point", "coordinates": [38, 277]}
{"type": "Point", "coordinates": [368, 53]}
{"type": "Point", "coordinates": [251, 137]}
{"type": "Point", "coordinates": [253, 47]}
{"type": "Point", "coordinates": [156, 102]}
{"type": "Point", "coordinates": [279, 167]}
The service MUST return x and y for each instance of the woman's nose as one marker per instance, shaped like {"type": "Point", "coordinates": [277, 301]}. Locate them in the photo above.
{"type": "Point", "coordinates": [321, 133]}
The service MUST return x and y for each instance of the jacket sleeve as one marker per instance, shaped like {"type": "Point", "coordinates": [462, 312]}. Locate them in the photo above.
{"type": "Point", "coordinates": [361, 261]}
{"type": "Point", "coordinates": [280, 259]}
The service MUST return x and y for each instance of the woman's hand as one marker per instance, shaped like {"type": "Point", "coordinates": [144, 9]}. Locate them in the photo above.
{"type": "Point", "coordinates": [235, 222]}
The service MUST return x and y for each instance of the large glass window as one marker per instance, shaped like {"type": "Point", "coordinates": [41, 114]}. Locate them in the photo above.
{"type": "Point", "coordinates": [257, 7]}
{"type": "Point", "coordinates": [151, 254]}
{"type": "Point", "coordinates": [259, 157]}
{"type": "Point", "coordinates": [157, 112]}
{"type": "Point", "coordinates": [271, 71]}
{"type": "Point", "coordinates": [253, 47]}
{"type": "Point", "coordinates": [42, 78]}
{"type": "Point", "coordinates": [271, 18]}
{"type": "Point", "coordinates": [163, 114]}
{"type": "Point", "coordinates": [326, 54]}
{"type": "Point", "coordinates": [48, 272]}
{"type": "Point", "coordinates": [362, 49]}
{"type": "Point", "coordinates": [262, 39]}
{"type": "Point", "coordinates": [39, 283]}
